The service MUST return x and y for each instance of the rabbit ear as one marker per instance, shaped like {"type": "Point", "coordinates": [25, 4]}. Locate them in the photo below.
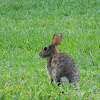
{"type": "Point", "coordinates": [57, 39]}
{"type": "Point", "coordinates": [60, 38]}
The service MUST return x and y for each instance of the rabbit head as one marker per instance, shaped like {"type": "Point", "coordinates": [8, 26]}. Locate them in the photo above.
{"type": "Point", "coordinates": [51, 49]}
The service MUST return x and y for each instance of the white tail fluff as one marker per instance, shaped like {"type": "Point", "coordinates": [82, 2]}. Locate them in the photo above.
{"type": "Point", "coordinates": [64, 79]}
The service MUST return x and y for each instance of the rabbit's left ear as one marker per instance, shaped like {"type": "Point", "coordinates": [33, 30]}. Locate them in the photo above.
{"type": "Point", "coordinates": [57, 39]}
{"type": "Point", "coordinates": [60, 38]}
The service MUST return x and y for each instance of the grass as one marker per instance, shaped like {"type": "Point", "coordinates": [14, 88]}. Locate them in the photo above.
{"type": "Point", "coordinates": [26, 26]}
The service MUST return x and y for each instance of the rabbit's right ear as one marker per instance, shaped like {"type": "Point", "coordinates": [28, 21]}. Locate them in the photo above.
{"type": "Point", "coordinates": [57, 39]}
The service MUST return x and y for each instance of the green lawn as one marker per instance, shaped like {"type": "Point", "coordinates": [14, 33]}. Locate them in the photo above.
{"type": "Point", "coordinates": [28, 25]}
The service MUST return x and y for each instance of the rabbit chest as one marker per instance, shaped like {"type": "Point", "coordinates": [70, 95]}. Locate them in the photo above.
{"type": "Point", "coordinates": [50, 67]}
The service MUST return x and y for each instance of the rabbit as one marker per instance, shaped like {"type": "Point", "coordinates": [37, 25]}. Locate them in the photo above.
{"type": "Point", "coordinates": [60, 66]}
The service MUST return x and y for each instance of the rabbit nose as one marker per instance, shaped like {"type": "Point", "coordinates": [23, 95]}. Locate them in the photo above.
{"type": "Point", "coordinates": [40, 54]}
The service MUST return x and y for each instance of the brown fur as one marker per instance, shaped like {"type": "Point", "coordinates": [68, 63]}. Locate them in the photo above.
{"type": "Point", "coordinates": [59, 64]}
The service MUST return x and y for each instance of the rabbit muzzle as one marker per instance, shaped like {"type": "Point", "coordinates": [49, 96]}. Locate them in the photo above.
{"type": "Point", "coordinates": [41, 54]}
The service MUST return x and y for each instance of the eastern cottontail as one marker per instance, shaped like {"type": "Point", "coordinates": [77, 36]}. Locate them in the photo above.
{"type": "Point", "coordinates": [60, 66]}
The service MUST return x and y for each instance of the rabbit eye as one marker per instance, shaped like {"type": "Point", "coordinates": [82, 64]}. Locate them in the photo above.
{"type": "Point", "coordinates": [45, 48]}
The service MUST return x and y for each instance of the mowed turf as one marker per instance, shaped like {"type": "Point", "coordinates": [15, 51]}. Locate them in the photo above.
{"type": "Point", "coordinates": [28, 25]}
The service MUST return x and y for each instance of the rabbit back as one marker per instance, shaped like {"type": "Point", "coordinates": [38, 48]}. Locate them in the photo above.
{"type": "Point", "coordinates": [62, 66]}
